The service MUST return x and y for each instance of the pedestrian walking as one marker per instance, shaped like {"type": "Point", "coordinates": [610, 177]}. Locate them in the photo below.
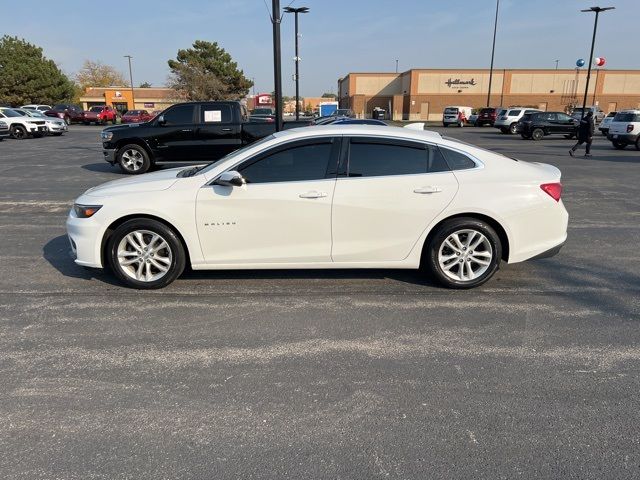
{"type": "Point", "coordinates": [585, 134]}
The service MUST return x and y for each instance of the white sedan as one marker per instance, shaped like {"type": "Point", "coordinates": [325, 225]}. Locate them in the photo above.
{"type": "Point", "coordinates": [352, 196]}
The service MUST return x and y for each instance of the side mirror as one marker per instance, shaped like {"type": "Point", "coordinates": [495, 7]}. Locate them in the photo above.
{"type": "Point", "coordinates": [230, 179]}
{"type": "Point", "coordinates": [161, 120]}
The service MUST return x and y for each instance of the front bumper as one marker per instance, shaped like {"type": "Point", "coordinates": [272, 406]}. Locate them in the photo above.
{"type": "Point", "coordinates": [85, 236]}
{"type": "Point", "coordinates": [622, 137]}
{"type": "Point", "coordinates": [57, 127]}
{"type": "Point", "coordinates": [109, 155]}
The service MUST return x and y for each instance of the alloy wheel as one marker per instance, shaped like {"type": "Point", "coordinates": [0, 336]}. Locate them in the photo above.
{"type": "Point", "coordinates": [132, 160]}
{"type": "Point", "coordinates": [144, 255]}
{"type": "Point", "coordinates": [465, 255]}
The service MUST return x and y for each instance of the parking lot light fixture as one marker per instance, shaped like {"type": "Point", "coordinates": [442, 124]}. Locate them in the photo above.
{"type": "Point", "coordinates": [597, 11]}
{"type": "Point", "coordinates": [296, 11]}
{"type": "Point", "coordinates": [133, 100]}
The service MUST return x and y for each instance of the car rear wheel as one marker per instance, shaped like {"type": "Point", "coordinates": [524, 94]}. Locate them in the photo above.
{"type": "Point", "coordinates": [619, 145]}
{"type": "Point", "coordinates": [463, 253]}
{"type": "Point", "coordinates": [504, 130]}
{"type": "Point", "coordinates": [18, 132]}
{"type": "Point", "coordinates": [537, 134]}
{"type": "Point", "coordinates": [638, 143]}
{"type": "Point", "coordinates": [146, 254]}
{"type": "Point", "coordinates": [513, 128]}
{"type": "Point", "coordinates": [133, 159]}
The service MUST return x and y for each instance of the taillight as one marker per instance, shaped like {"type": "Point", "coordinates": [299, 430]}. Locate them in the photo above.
{"type": "Point", "coordinates": [554, 190]}
{"type": "Point", "coordinates": [630, 128]}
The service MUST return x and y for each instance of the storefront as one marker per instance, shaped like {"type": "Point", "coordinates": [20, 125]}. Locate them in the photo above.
{"type": "Point", "coordinates": [123, 99]}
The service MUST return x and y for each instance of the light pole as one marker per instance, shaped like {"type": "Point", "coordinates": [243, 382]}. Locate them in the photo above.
{"type": "Point", "coordinates": [597, 11]}
{"type": "Point", "coordinates": [396, 65]}
{"type": "Point", "coordinates": [277, 61]}
{"type": "Point", "coordinates": [493, 50]}
{"type": "Point", "coordinates": [133, 99]}
{"type": "Point", "coordinates": [557, 64]}
{"type": "Point", "coordinates": [296, 11]}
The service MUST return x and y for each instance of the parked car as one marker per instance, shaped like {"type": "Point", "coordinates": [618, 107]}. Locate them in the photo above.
{"type": "Point", "coordinates": [486, 116]}
{"type": "Point", "coordinates": [343, 112]}
{"type": "Point", "coordinates": [288, 202]}
{"type": "Point", "coordinates": [624, 129]}
{"type": "Point", "coordinates": [357, 121]}
{"type": "Point", "coordinates": [136, 116]}
{"type": "Point", "coordinates": [185, 132]}
{"type": "Point", "coordinates": [22, 126]}
{"type": "Point", "coordinates": [540, 124]}
{"type": "Point", "coordinates": [55, 126]}
{"type": "Point", "coordinates": [507, 119]}
{"type": "Point", "coordinates": [604, 124]}
{"type": "Point", "coordinates": [40, 108]}
{"type": "Point", "coordinates": [69, 113]}
{"type": "Point", "coordinates": [99, 114]}
{"type": "Point", "coordinates": [4, 130]}
{"type": "Point", "coordinates": [598, 114]}
{"type": "Point", "coordinates": [456, 116]}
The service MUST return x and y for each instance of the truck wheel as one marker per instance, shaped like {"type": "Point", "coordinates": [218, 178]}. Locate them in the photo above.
{"type": "Point", "coordinates": [133, 159]}
{"type": "Point", "coordinates": [513, 128]}
{"type": "Point", "coordinates": [537, 134]}
{"type": "Point", "coordinates": [18, 132]}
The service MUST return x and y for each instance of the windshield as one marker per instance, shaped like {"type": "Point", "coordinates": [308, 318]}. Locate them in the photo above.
{"type": "Point", "coordinates": [627, 117]}
{"type": "Point", "coordinates": [262, 111]}
{"type": "Point", "coordinates": [450, 110]}
{"type": "Point", "coordinates": [60, 108]}
{"type": "Point", "coordinates": [487, 110]}
{"type": "Point", "coordinates": [96, 109]}
{"type": "Point", "coordinates": [231, 155]}
{"type": "Point", "coordinates": [133, 112]}
{"type": "Point", "coordinates": [11, 113]}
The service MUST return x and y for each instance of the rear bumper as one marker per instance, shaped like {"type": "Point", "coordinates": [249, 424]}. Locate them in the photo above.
{"type": "Point", "coordinates": [622, 137]}
{"type": "Point", "coordinates": [553, 251]}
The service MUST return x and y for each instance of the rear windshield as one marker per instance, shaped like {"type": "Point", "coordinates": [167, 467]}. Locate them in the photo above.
{"type": "Point", "coordinates": [96, 109]}
{"type": "Point", "coordinates": [514, 113]}
{"type": "Point", "coordinates": [487, 110]}
{"type": "Point", "coordinates": [59, 108]}
{"type": "Point", "coordinates": [450, 110]}
{"type": "Point", "coordinates": [134, 112]}
{"type": "Point", "coordinates": [627, 117]}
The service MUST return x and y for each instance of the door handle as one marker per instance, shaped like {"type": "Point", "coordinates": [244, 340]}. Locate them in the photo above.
{"type": "Point", "coordinates": [427, 189]}
{"type": "Point", "coordinates": [313, 194]}
{"type": "Point", "coordinates": [227, 129]}
{"type": "Point", "coordinates": [186, 130]}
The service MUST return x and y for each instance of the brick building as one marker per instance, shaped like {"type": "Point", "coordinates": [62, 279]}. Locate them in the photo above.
{"type": "Point", "coordinates": [422, 94]}
{"type": "Point", "coordinates": [120, 98]}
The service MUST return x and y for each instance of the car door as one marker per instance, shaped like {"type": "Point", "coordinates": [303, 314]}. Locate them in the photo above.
{"type": "Point", "coordinates": [281, 215]}
{"type": "Point", "coordinates": [566, 123]}
{"type": "Point", "coordinates": [387, 193]}
{"type": "Point", "coordinates": [217, 133]}
{"type": "Point", "coordinates": [174, 140]}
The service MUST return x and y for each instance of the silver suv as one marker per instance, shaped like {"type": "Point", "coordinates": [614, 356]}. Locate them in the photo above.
{"type": "Point", "coordinates": [598, 115]}
{"type": "Point", "coordinates": [507, 119]}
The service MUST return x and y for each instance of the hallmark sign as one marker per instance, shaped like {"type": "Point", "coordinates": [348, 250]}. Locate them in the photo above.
{"type": "Point", "coordinates": [458, 83]}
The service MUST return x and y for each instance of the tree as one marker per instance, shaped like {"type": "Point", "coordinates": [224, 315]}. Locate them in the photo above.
{"type": "Point", "coordinates": [27, 76]}
{"type": "Point", "coordinates": [207, 72]}
{"type": "Point", "coordinates": [329, 95]}
{"type": "Point", "coordinates": [145, 85]}
{"type": "Point", "coordinates": [97, 74]}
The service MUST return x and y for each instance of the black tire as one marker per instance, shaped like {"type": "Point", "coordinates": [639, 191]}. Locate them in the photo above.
{"type": "Point", "coordinates": [437, 242]}
{"type": "Point", "coordinates": [619, 145]}
{"type": "Point", "coordinates": [18, 132]}
{"type": "Point", "coordinates": [513, 128]}
{"type": "Point", "coordinates": [537, 134]}
{"type": "Point", "coordinates": [638, 143]}
{"type": "Point", "coordinates": [445, 125]}
{"type": "Point", "coordinates": [504, 130]}
{"type": "Point", "coordinates": [133, 159]}
{"type": "Point", "coordinates": [525, 137]}
{"type": "Point", "coordinates": [174, 246]}
{"type": "Point", "coordinates": [57, 134]}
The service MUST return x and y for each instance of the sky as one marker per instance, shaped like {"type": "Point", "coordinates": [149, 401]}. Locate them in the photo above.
{"type": "Point", "coordinates": [338, 36]}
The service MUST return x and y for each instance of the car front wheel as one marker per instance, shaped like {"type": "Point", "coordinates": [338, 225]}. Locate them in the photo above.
{"type": "Point", "coordinates": [133, 159]}
{"type": "Point", "coordinates": [537, 134]}
{"type": "Point", "coordinates": [463, 253]}
{"type": "Point", "coordinates": [619, 145]}
{"type": "Point", "coordinates": [146, 254]}
{"type": "Point", "coordinates": [18, 132]}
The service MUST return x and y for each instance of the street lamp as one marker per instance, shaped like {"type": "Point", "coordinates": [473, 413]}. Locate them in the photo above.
{"type": "Point", "coordinates": [277, 61]}
{"type": "Point", "coordinates": [493, 49]}
{"type": "Point", "coordinates": [296, 11]}
{"type": "Point", "coordinates": [597, 11]}
{"type": "Point", "coordinates": [133, 99]}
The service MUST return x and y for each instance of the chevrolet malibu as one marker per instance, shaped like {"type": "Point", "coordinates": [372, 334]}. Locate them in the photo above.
{"type": "Point", "coordinates": [353, 196]}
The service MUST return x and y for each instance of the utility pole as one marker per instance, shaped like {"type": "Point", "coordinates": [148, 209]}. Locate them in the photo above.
{"type": "Point", "coordinates": [597, 11]}
{"type": "Point", "coordinates": [133, 98]}
{"type": "Point", "coordinates": [557, 64]}
{"type": "Point", "coordinates": [493, 50]}
{"type": "Point", "coordinates": [396, 65]}
{"type": "Point", "coordinates": [296, 11]}
{"type": "Point", "coordinates": [277, 61]}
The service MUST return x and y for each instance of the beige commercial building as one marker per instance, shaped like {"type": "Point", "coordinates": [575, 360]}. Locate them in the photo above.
{"type": "Point", "coordinates": [422, 94]}
{"type": "Point", "coordinates": [121, 98]}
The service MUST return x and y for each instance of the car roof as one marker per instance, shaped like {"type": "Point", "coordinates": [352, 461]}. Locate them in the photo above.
{"type": "Point", "coordinates": [369, 130]}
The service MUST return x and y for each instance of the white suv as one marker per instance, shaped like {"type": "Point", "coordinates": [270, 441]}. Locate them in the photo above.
{"type": "Point", "coordinates": [507, 118]}
{"type": "Point", "coordinates": [624, 129]}
{"type": "Point", "coordinates": [40, 108]}
{"type": "Point", "coordinates": [22, 126]}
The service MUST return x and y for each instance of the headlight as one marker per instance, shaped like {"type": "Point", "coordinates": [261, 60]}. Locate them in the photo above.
{"type": "Point", "coordinates": [106, 135]}
{"type": "Point", "coordinates": [85, 211]}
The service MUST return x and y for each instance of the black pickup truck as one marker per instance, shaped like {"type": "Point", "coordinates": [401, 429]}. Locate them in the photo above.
{"type": "Point", "coordinates": [193, 132]}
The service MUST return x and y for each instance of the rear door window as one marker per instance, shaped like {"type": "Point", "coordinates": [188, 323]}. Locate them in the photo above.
{"type": "Point", "coordinates": [215, 113]}
{"type": "Point", "coordinates": [627, 117]}
{"type": "Point", "coordinates": [457, 160]}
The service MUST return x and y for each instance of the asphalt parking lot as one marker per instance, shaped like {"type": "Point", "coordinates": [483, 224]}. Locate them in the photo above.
{"type": "Point", "coordinates": [320, 374]}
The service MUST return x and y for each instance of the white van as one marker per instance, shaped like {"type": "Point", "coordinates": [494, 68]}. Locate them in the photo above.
{"type": "Point", "coordinates": [450, 116]}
